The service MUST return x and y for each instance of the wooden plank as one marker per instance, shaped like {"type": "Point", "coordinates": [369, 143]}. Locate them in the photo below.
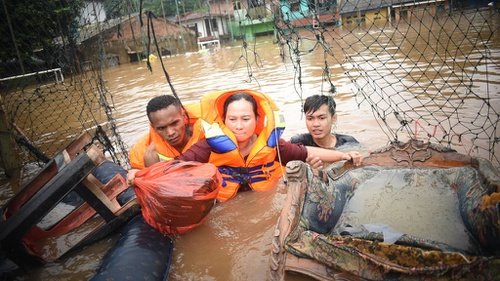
{"type": "Point", "coordinates": [95, 154]}
{"type": "Point", "coordinates": [42, 202]}
{"type": "Point", "coordinates": [95, 186]}
{"type": "Point", "coordinates": [8, 155]}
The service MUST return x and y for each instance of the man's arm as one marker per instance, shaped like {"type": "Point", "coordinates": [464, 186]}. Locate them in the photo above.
{"type": "Point", "coordinates": [199, 152]}
{"type": "Point", "coordinates": [329, 155]}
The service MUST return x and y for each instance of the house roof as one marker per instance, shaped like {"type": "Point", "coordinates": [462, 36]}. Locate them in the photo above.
{"type": "Point", "coordinates": [120, 28]}
{"type": "Point", "coordinates": [349, 6]}
{"type": "Point", "coordinates": [194, 16]}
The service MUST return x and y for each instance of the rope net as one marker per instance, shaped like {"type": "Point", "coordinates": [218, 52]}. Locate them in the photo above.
{"type": "Point", "coordinates": [427, 69]}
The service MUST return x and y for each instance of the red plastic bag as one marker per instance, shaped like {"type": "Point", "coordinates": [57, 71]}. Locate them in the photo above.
{"type": "Point", "coordinates": [176, 196]}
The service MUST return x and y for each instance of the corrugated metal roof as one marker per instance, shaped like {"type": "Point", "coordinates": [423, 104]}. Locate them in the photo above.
{"type": "Point", "coordinates": [194, 16]}
{"type": "Point", "coordinates": [349, 6]}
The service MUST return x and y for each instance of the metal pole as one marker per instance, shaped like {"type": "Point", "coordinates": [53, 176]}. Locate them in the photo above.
{"type": "Point", "coordinates": [163, 11]}
{"type": "Point", "coordinates": [209, 18]}
{"type": "Point", "coordinates": [229, 20]}
{"type": "Point", "coordinates": [165, 19]}
{"type": "Point", "coordinates": [180, 23]}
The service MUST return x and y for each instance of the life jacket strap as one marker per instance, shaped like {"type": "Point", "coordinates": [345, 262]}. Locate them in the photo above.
{"type": "Point", "coordinates": [164, 157]}
{"type": "Point", "coordinates": [245, 175]}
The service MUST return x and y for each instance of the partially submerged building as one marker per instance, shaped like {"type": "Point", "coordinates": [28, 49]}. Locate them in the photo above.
{"type": "Point", "coordinates": [382, 11]}
{"type": "Point", "coordinates": [308, 13]}
{"type": "Point", "coordinates": [126, 40]}
{"type": "Point", "coordinates": [209, 28]}
{"type": "Point", "coordinates": [253, 17]}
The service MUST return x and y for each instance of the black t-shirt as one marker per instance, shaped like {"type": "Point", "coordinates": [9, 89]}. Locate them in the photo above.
{"type": "Point", "coordinates": [307, 139]}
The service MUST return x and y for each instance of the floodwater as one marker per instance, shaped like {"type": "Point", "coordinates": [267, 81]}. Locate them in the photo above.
{"type": "Point", "coordinates": [235, 242]}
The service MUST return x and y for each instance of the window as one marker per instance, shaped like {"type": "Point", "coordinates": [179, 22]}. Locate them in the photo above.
{"type": "Point", "coordinates": [440, 9]}
{"type": "Point", "coordinates": [237, 5]}
{"type": "Point", "coordinates": [256, 3]}
{"type": "Point", "coordinates": [194, 28]}
{"type": "Point", "coordinates": [214, 25]}
{"type": "Point", "coordinates": [404, 14]}
{"type": "Point", "coordinates": [361, 18]}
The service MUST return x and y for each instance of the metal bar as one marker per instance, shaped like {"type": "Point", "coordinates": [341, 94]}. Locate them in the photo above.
{"type": "Point", "coordinates": [55, 70]}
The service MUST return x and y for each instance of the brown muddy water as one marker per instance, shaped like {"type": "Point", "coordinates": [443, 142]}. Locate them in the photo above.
{"type": "Point", "coordinates": [234, 244]}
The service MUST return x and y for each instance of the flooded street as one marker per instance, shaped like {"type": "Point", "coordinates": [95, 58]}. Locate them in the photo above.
{"type": "Point", "coordinates": [235, 242]}
{"type": "Point", "coordinates": [198, 73]}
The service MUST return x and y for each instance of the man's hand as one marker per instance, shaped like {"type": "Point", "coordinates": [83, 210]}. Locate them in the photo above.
{"type": "Point", "coordinates": [356, 157]}
{"type": "Point", "coordinates": [131, 176]}
{"type": "Point", "coordinates": [314, 162]}
{"type": "Point", "coordinates": [151, 156]}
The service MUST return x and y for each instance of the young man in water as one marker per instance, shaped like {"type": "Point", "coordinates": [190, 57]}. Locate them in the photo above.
{"type": "Point", "coordinates": [320, 116]}
{"type": "Point", "coordinates": [170, 132]}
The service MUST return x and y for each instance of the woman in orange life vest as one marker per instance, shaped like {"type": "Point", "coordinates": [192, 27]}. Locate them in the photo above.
{"type": "Point", "coordinates": [243, 142]}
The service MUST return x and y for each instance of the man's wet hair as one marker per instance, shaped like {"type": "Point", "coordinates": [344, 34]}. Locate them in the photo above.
{"type": "Point", "coordinates": [161, 102]}
{"type": "Point", "coordinates": [313, 103]}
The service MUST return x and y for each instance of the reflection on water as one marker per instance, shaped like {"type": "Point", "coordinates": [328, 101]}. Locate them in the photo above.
{"type": "Point", "coordinates": [234, 244]}
{"type": "Point", "coordinates": [80, 265]}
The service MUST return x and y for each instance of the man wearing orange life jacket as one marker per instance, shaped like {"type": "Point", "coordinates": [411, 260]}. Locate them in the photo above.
{"type": "Point", "coordinates": [171, 131]}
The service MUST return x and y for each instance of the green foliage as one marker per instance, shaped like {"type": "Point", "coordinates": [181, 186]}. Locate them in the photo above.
{"type": "Point", "coordinates": [35, 25]}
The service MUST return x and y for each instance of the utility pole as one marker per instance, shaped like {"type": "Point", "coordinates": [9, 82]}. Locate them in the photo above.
{"type": "Point", "coordinates": [229, 20]}
{"type": "Point", "coordinates": [163, 11]}
{"type": "Point", "coordinates": [180, 24]}
{"type": "Point", "coordinates": [166, 29]}
{"type": "Point", "coordinates": [177, 11]}
{"type": "Point", "coordinates": [210, 29]}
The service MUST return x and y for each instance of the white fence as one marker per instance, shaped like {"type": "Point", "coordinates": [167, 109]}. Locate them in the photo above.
{"type": "Point", "coordinates": [57, 72]}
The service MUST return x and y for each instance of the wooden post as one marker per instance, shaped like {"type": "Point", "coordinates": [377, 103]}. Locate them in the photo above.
{"type": "Point", "coordinates": [9, 160]}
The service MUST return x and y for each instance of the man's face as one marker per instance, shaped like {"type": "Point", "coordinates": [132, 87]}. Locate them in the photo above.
{"type": "Point", "coordinates": [170, 123]}
{"type": "Point", "coordinates": [319, 123]}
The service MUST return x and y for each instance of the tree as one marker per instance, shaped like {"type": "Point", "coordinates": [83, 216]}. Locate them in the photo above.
{"type": "Point", "coordinates": [35, 27]}
{"type": "Point", "coordinates": [117, 8]}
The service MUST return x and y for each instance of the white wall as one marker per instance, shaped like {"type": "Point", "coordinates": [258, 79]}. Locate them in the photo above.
{"type": "Point", "coordinates": [202, 29]}
{"type": "Point", "coordinates": [91, 13]}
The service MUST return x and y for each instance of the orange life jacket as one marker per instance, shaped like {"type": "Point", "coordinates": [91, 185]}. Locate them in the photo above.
{"type": "Point", "coordinates": [163, 148]}
{"type": "Point", "coordinates": [259, 170]}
